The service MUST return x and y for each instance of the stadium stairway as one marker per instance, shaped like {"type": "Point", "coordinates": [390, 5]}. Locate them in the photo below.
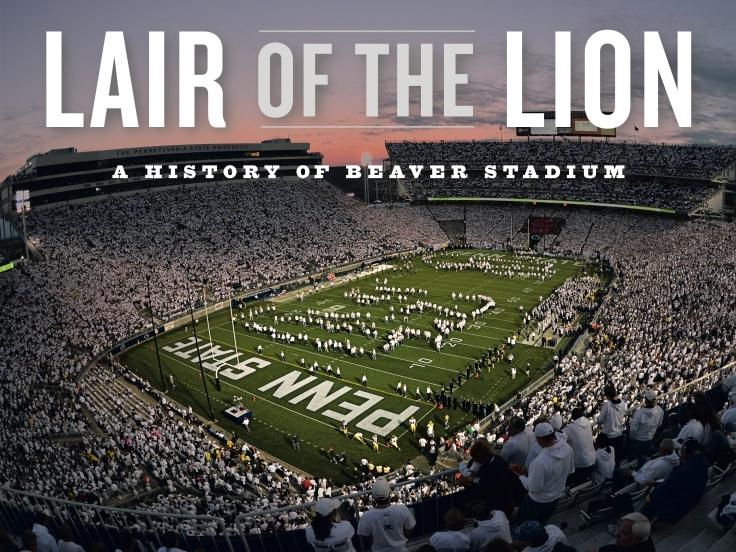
{"type": "Point", "coordinates": [693, 533]}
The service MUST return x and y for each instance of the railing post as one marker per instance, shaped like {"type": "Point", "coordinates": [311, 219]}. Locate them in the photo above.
{"type": "Point", "coordinates": [239, 527]}
{"type": "Point", "coordinates": [221, 525]}
{"type": "Point", "coordinates": [154, 529]}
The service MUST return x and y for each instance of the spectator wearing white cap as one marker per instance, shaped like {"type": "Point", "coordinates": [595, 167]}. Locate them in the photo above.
{"type": "Point", "coordinates": [534, 450]}
{"type": "Point", "coordinates": [384, 528]}
{"type": "Point", "coordinates": [326, 532]}
{"type": "Point", "coordinates": [644, 425]}
{"type": "Point", "coordinates": [547, 475]}
{"type": "Point", "coordinates": [580, 438]}
{"type": "Point", "coordinates": [612, 418]}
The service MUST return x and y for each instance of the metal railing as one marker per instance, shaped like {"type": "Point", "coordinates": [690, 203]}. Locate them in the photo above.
{"type": "Point", "coordinates": [257, 530]}
{"type": "Point", "coordinates": [94, 524]}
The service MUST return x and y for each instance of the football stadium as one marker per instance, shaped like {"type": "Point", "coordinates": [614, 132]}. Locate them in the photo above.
{"type": "Point", "coordinates": [196, 363]}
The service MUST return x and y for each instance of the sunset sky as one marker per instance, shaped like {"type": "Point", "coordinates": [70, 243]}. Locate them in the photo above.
{"type": "Point", "coordinates": [23, 24]}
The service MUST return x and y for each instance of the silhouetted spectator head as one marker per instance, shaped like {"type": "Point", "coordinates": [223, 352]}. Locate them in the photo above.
{"type": "Point", "coordinates": [516, 426]}
{"type": "Point", "coordinates": [65, 534]}
{"type": "Point", "coordinates": [481, 451]}
{"type": "Point", "coordinates": [666, 446]}
{"type": "Point", "coordinates": [170, 539]}
{"type": "Point", "coordinates": [690, 448]}
{"type": "Point", "coordinates": [29, 541]}
{"type": "Point", "coordinates": [609, 391]}
{"type": "Point", "coordinates": [454, 520]}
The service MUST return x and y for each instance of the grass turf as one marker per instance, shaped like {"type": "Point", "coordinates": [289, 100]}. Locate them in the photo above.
{"type": "Point", "coordinates": [415, 362]}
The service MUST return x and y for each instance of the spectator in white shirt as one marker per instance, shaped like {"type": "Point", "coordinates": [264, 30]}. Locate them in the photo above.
{"type": "Point", "coordinates": [644, 425]}
{"type": "Point", "coordinates": [489, 526]}
{"type": "Point", "coordinates": [170, 542]}
{"type": "Point", "coordinates": [327, 533]}
{"type": "Point", "coordinates": [654, 470]}
{"type": "Point", "coordinates": [45, 540]}
{"type": "Point", "coordinates": [516, 447]}
{"type": "Point", "coordinates": [580, 438]}
{"type": "Point", "coordinates": [729, 387]}
{"type": "Point", "coordinates": [605, 461]}
{"type": "Point", "coordinates": [66, 542]}
{"type": "Point", "coordinates": [547, 475]}
{"type": "Point", "coordinates": [611, 419]}
{"type": "Point", "coordinates": [728, 417]}
{"type": "Point", "coordinates": [385, 526]}
{"type": "Point", "coordinates": [693, 429]}
{"type": "Point", "coordinates": [453, 539]}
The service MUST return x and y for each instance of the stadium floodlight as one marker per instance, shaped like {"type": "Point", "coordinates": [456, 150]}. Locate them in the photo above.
{"type": "Point", "coordinates": [232, 325]}
{"type": "Point", "coordinates": [209, 334]}
{"type": "Point", "coordinates": [199, 355]}
{"type": "Point", "coordinates": [155, 334]}
{"type": "Point", "coordinates": [366, 159]}
{"type": "Point", "coordinates": [23, 205]}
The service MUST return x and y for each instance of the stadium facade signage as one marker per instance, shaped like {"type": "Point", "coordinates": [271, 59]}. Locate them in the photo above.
{"type": "Point", "coordinates": [235, 365]}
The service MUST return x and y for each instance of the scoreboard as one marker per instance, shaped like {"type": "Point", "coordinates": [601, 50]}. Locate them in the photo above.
{"type": "Point", "coordinates": [580, 126]}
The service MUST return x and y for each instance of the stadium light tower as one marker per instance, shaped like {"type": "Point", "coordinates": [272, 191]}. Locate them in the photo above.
{"type": "Point", "coordinates": [22, 205]}
{"type": "Point", "coordinates": [366, 160]}
{"type": "Point", "coordinates": [209, 333]}
{"type": "Point", "coordinates": [199, 355]}
{"type": "Point", "coordinates": [511, 229]}
{"type": "Point", "coordinates": [155, 336]}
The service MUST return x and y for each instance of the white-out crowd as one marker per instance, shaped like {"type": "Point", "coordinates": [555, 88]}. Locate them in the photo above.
{"type": "Point", "coordinates": [645, 164]}
{"type": "Point", "coordinates": [670, 318]}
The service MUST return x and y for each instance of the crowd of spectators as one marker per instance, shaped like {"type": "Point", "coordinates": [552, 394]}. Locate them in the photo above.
{"type": "Point", "coordinates": [670, 318]}
{"type": "Point", "coordinates": [89, 291]}
{"type": "Point", "coordinates": [691, 161]}
{"type": "Point", "coordinates": [661, 176]}
{"type": "Point", "coordinates": [681, 197]}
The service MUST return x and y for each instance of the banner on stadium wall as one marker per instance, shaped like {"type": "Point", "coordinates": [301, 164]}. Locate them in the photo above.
{"type": "Point", "coordinates": [7, 266]}
{"type": "Point", "coordinates": [562, 202]}
{"type": "Point", "coordinates": [140, 338]}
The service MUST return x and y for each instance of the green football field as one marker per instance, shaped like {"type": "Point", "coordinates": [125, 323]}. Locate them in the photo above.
{"type": "Point", "coordinates": [287, 399]}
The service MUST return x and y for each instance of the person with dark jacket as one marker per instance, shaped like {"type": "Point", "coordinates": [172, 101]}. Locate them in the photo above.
{"type": "Point", "coordinates": [682, 490]}
{"type": "Point", "coordinates": [492, 480]}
